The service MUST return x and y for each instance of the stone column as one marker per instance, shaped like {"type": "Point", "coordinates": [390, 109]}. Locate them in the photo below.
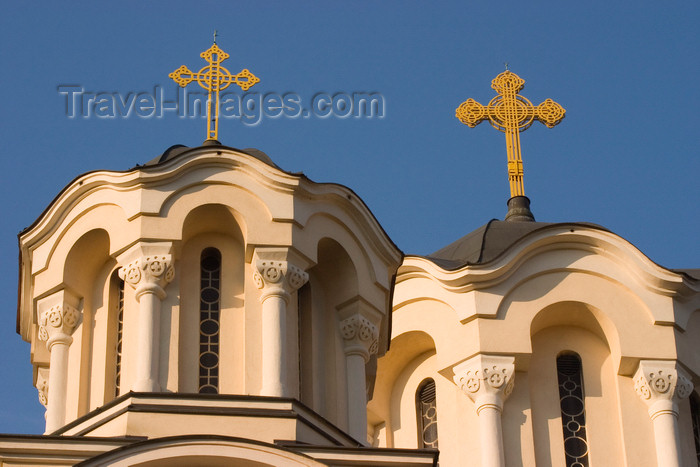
{"type": "Point", "coordinates": [488, 381]}
{"type": "Point", "coordinates": [56, 325]}
{"type": "Point", "coordinates": [277, 279]}
{"type": "Point", "coordinates": [360, 341]}
{"type": "Point", "coordinates": [148, 274]}
{"type": "Point", "coordinates": [661, 384]}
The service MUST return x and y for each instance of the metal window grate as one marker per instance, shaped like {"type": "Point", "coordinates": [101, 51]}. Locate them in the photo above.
{"type": "Point", "coordinates": [695, 415]}
{"type": "Point", "coordinates": [427, 414]}
{"type": "Point", "coordinates": [120, 328]}
{"type": "Point", "coordinates": [573, 414]}
{"type": "Point", "coordinates": [209, 310]}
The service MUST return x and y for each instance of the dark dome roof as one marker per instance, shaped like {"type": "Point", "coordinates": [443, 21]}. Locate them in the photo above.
{"type": "Point", "coordinates": [176, 150]}
{"type": "Point", "coordinates": [489, 241]}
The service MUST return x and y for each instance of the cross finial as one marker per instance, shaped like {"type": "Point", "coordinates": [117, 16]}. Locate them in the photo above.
{"type": "Point", "coordinates": [504, 63]}
{"type": "Point", "coordinates": [214, 78]}
{"type": "Point", "coordinates": [216, 34]}
{"type": "Point", "coordinates": [510, 113]}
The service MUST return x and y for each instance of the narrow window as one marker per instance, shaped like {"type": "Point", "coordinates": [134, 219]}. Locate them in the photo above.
{"type": "Point", "coordinates": [695, 415]}
{"type": "Point", "coordinates": [427, 415]}
{"type": "Point", "coordinates": [209, 309]}
{"type": "Point", "coordinates": [573, 414]}
{"type": "Point", "coordinates": [120, 327]}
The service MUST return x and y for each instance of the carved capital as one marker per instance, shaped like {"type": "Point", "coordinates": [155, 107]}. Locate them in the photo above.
{"type": "Point", "coordinates": [487, 380]}
{"type": "Point", "coordinates": [661, 384]}
{"type": "Point", "coordinates": [278, 278]}
{"type": "Point", "coordinates": [57, 323]}
{"type": "Point", "coordinates": [149, 273]}
{"type": "Point", "coordinates": [42, 385]}
{"type": "Point", "coordinates": [360, 336]}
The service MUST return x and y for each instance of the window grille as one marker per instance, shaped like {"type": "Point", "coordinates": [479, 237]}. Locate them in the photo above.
{"type": "Point", "coordinates": [573, 414]}
{"type": "Point", "coordinates": [209, 310]}
{"type": "Point", "coordinates": [695, 415]}
{"type": "Point", "coordinates": [427, 414]}
{"type": "Point", "coordinates": [120, 327]}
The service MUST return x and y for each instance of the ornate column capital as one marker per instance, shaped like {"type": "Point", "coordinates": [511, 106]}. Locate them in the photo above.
{"type": "Point", "coordinates": [57, 323]}
{"type": "Point", "coordinates": [360, 336]}
{"type": "Point", "coordinates": [278, 278]}
{"type": "Point", "coordinates": [487, 380]}
{"type": "Point", "coordinates": [42, 385]}
{"type": "Point", "coordinates": [149, 273]}
{"type": "Point", "coordinates": [661, 384]}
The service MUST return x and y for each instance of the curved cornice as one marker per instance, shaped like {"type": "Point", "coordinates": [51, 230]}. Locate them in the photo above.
{"type": "Point", "coordinates": [554, 237]}
{"type": "Point", "coordinates": [212, 162]}
{"type": "Point", "coordinates": [202, 158]}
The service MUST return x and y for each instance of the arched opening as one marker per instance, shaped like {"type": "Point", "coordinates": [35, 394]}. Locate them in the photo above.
{"type": "Point", "coordinates": [573, 410]}
{"type": "Point", "coordinates": [87, 273]}
{"type": "Point", "coordinates": [426, 412]}
{"type": "Point", "coordinates": [211, 316]}
{"type": "Point", "coordinates": [209, 322]}
{"type": "Point", "coordinates": [115, 336]}
{"type": "Point", "coordinates": [561, 333]}
{"type": "Point", "coordinates": [332, 282]}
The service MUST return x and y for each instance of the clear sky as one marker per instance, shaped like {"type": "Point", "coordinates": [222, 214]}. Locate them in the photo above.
{"type": "Point", "coordinates": [626, 156]}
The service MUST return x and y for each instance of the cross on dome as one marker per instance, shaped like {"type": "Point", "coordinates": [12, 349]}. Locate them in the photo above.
{"type": "Point", "coordinates": [214, 78]}
{"type": "Point", "coordinates": [510, 113]}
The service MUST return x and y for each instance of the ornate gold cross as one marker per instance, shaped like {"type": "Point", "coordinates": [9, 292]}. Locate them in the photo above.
{"type": "Point", "coordinates": [510, 113]}
{"type": "Point", "coordinates": [214, 78]}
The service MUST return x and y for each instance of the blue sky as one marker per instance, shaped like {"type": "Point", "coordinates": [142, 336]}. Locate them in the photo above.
{"type": "Point", "coordinates": [626, 156]}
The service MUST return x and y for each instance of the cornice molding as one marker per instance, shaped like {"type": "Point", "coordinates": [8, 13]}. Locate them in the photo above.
{"type": "Point", "coordinates": [224, 159]}
{"type": "Point", "coordinates": [645, 272]}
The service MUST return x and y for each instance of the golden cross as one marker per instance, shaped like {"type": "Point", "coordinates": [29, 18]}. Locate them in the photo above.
{"type": "Point", "coordinates": [214, 78]}
{"type": "Point", "coordinates": [510, 113]}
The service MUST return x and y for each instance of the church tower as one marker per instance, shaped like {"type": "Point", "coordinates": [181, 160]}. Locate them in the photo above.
{"type": "Point", "coordinates": [208, 298]}
{"type": "Point", "coordinates": [532, 343]}
{"type": "Point", "coordinates": [208, 308]}
{"type": "Point", "coordinates": [207, 291]}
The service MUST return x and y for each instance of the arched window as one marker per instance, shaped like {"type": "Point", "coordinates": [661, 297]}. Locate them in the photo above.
{"type": "Point", "coordinates": [573, 414]}
{"type": "Point", "coordinates": [120, 328]}
{"type": "Point", "coordinates": [695, 415]}
{"type": "Point", "coordinates": [426, 409]}
{"type": "Point", "coordinates": [209, 310]}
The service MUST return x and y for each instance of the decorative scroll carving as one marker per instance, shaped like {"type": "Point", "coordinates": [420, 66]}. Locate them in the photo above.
{"type": "Point", "coordinates": [487, 379]}
{"type": "Point", "coordinates": [58, 323]}
{"type": "Point", "coordinates": [149, 274]}
{"type": "Point", "coordinates": [279, 278]}
{"type": "Point", "coordinates": [360, 336]}
{"type": "Point", "coordinates": [659, 381]}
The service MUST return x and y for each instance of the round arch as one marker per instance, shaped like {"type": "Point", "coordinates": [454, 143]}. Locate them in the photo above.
{"type": "Point", "coordinates": [201, 451]}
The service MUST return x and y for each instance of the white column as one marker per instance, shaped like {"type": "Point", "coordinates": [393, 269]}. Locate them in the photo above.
{"type": "Point", "coordinates": [488, 381]}
{"type": "Point", "coordinates": [148, 275]}
{"type": "Point", "coordinates": [661, 384]}
{"type": "Point", "coordinates": [277, 280]}
{"type": "Point", "coordinates": [56, 324]}
{"type": "Point", "coordinates": [360, 339]}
